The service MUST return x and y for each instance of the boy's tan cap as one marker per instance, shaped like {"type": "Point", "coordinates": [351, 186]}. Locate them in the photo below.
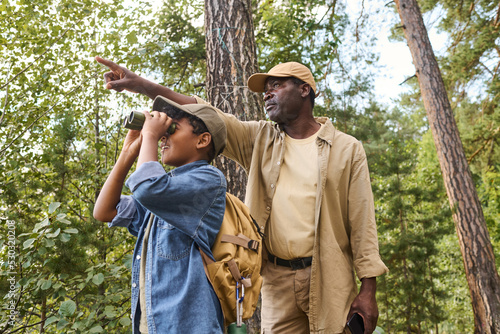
{"type": "Point", "coordinates": [205, 112]}
{"type": "Point", "coordinates": [257, 81]}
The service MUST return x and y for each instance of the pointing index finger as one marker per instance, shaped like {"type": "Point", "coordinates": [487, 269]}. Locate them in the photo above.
{"type": "Point", "coordinates": [108, 63]}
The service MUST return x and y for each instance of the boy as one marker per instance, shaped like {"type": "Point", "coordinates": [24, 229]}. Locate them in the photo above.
{"type": "Point", "coordinates": [172, 215]}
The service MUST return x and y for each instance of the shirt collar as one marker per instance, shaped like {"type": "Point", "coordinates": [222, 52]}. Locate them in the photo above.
{"type": "Point", "coordinates": [188, 167]}
{"type": "Point", "coordinates": [326, 133]}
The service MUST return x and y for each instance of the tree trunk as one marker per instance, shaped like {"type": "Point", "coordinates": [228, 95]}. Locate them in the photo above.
{"type": "Point", "coordinates": [475, 244]}
{"type": "Point", "coordinates": [231, 59]}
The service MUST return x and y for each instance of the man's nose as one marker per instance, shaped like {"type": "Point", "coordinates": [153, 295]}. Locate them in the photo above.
{"type": "Point", "coordinates": [267, 96]}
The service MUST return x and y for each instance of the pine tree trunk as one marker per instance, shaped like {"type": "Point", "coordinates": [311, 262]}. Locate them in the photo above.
{"type": "Point", "coordinates": [475, 244]}
{"type": "Point", "coordinates": [231, 59]}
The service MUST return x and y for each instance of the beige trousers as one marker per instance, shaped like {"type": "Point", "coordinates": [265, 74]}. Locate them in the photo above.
{"type": "Point", "coordinates": [285, 300]}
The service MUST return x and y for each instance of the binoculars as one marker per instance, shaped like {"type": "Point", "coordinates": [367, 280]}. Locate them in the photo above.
{"type": "Point", "coordinates": [136, 119]}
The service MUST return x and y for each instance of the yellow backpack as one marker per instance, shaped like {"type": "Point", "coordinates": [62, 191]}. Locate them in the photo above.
{"type": "Point", "coordinates": [238, 258]}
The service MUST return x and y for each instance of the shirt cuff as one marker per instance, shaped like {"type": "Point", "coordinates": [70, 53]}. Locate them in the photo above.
{"type": "Point", "coordinates": [146, 171]}
{"type": "Point", "coordinates": [125, 212]}
{"type": "Point", "coordinates": [370, 266]}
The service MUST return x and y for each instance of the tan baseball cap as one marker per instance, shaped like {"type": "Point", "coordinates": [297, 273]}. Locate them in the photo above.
{"type": "Point", "coordinates": [257, 81]}
{"type": "Point", "coordinates": [205, 112]}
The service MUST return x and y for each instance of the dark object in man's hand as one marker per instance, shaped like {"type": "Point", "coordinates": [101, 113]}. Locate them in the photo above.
{"type": "Point", "coordinates": [356, 324]}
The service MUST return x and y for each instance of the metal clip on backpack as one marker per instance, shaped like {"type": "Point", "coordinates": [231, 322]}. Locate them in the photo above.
{"type": "Point", "coordinates": [235, 273]}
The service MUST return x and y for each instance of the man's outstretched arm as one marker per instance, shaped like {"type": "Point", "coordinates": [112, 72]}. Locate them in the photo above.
{"type": "Point", "coordinates": [120, 78]}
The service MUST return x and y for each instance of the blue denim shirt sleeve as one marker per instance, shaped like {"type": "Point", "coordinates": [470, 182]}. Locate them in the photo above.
{"type": "Point", "coordinates": [129, 214]}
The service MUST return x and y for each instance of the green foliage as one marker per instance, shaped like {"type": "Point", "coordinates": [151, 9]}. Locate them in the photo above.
{"type": "Point", "coordinates": [412, 217]}
{"type": "Point", "coordinates": [58, 141]}
{"type": "Point", "coordinates": [174, 52]}
{"type": "Point", "coordinates": [470, 72]}
{"type": "Point", "coordinates": [72, 300]}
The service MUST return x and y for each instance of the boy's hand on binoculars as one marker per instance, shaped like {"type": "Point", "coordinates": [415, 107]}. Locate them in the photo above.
{"type": "Point", "coordinates": [156, 124]}
{"type": "Point", "coordinates": [132, 143]}
{"type": "Point", "coordinates": [121, 78]}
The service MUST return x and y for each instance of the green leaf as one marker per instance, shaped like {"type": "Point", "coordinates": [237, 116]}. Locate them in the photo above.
{"type": "Point", "coordinates": [71, 230]}
{"type": "Point", "coordinates": [49, 243]}
{"type": "Point", "coordinates": [55, 234]}
{"type": "Point", "coordinates": [98, 279]}
{"type": "Point", "coordinates": [28, 243]}
{"type": "Point", "coordinates": [46, 284]}
{"type": "Point", "coordinates": [109, 311]}
{"type": "Point", "coordinates": [132, 38]}
{"type": "Point", "coordinates": [23, 281]}
{"type": "Point", "coordinates": [96, 329]}
{"type": "Point", "coordinates": [125, 322]}
{"type": "Point", "coordinates": [50, 320]}
{"type": "Point", "coordinates": [64, 237]}
{"type": "Point", "coordinates": [67, 308]}
{"type": "Point", "coordinates": [38, 226]}
{"type": "Point", "coordinates": [61, 324]}
{"type": "Point", "coordinates": [127, 261]}
{"type": "Point", "coordinates": [53, 206]}
{"type": "Point", "coordinates": [27, 264]}
{"type": "Point", "coordinates": [62, 218]}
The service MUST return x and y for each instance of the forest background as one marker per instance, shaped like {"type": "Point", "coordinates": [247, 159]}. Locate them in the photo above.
{"type": "Point", "coordinates": [60, 133]}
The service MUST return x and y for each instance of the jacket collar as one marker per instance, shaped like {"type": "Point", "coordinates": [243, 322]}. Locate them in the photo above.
{"type": "Point", "coordinates": [327, 132]}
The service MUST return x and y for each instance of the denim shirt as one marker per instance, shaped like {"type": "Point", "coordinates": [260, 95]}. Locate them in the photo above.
{"type": "Point", "coordinates": [188, 205]}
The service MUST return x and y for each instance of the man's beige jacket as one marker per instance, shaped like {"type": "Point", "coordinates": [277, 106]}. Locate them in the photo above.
{"type": "Point", "coordinates": [346, 235]}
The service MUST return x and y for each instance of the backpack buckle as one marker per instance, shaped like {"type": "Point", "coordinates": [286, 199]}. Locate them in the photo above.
{"type": "Point", "coordinates": [253, 245]}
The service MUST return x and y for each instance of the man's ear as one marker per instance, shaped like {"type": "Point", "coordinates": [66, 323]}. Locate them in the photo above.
{"type": "Point", "coordinates": [305, 89]}
{"type": "Point", "coordinates": [204, 140]}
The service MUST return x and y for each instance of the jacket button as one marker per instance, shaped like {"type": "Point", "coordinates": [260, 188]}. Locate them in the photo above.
{"type": "Point", "coordinates": [138, 257]}
{"type": "Point", "coordinates": [134, 285]}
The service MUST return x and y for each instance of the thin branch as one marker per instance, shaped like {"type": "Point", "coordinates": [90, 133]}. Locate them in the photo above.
{"type": "Point", "coordinates": [24, 327]}
{"type": "Point", "coordinates": [497, 18]}
{"type": "Point", "coordinates": [486, 68]}
{"type": "Point", "coordinates": [485, 143]}
{"type": "Point", "coordinates": [359, 18]}
{"type": "Point", "coordinates": [409, 78]}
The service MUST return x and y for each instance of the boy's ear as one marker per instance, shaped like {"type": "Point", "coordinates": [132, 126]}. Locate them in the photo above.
{"type": "Point", "coordinates": [204, 140]}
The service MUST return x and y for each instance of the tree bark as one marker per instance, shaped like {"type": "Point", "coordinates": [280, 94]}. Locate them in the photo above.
{"type": "Point", "coordinates": [473, 236]}
{"type": "Point", "coordinates": [231, 59]}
